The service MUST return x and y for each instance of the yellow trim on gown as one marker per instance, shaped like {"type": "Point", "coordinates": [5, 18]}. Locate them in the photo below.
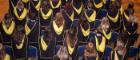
{"type": "Point", "coordinates": [47, 15]}
{"type": "Point", "coordinates": [100, 47]}
{"type": "Point", "coordinates": [23, 14]}
{"type": "Point", "coordinates": [7, 57]}
{"type": "Point", "coordinates": [43, 44]}
{"type": "Point", "coordinates": [108, 36]}
{"type": "Point", "coordinates": [20, 46]}
{"type": "Point", "coordinates": [79, 10]}
{"type": "Point", "coordinates": [9, 30]}
{"type": "Point", "coordinates": [85, 32]}
{"type": "Point", "coordinates": [71, 17]}
{"type": "Point", "coordinates": [92, 17]}
{"type": "Point", "coordinates": [115, 19]}
{"type": "Point", "coordinates": [58, 4]}
{"type": "Point", "coordinates": [57, 29]}
{"type": "Point", "coordinates": [99, 5]}
{"type": "Point", "coordinates": [25, 1]}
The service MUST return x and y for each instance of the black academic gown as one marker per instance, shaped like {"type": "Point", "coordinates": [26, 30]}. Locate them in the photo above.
{"type": "Point", "coordinates": [45, 17]}
{"type": "Point", "coordinates": [78, 7]}
{"type": "Point", "coordinates": [55, 5]}
{"type": "Point", "coordinates": [32, 30]}
{"type": "Point", "coordinates": [20, 15]}
{"type": "Point", "coordinates": [130, 28]}
{"type": "Point", "coordinates": [6, 33]}
{"type": "Point", "coordinates": [90, 16]}
{"type": "Point", "coordinates": [68, 15]}
{"type": "Point", "coordinates": [11, 4]}
{"type": "Point", "coordinates": [100, 40]}
{"type": "Point", "coordinates": [71, 37]}
{"type": "Point", "coordinates": [35, 6]}
{"type": "Point", "coordinates": [114, 19]}
{"type": "Point", "coordinates": [20, 50]}
{"type": "Point", "coordinates": [83, 34]}
{"type": "Point", "coordinates": [47, 44]}
{"type": "Point", "coordinates": [59, 37]}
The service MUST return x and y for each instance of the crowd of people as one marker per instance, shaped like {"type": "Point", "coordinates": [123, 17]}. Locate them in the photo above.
{"type": "Point", "coordinates": [69, 30]}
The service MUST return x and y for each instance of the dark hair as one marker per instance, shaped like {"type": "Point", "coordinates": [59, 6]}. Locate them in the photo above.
{"type": "Point", "coordinates": [131, 8]}
{"type": "Point", "coordinates": [85, 24]}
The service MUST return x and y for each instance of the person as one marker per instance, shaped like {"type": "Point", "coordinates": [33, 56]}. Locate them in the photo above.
{"type": "Point", "coordinates": [90, 52]}
{"type": "Point", "coordinates": [55, 5]}
{"type": "Point", "coordinates": [35, 6]}
{"type": "Point", "coordinates": [119, 50]}
{"type": "Point", "coordinates": [58, 27]}
{"type": "Point", "coordinates": [130, 24]}
{"type": "Point", "coordinates": [77, 5]}
{"type": "Point", "coordinates": [20, 12]}
{"type": "Point", "coordinates": [83, 31]}
{"type": "Point", "coordinates": [3, 54]}
{"type": "Point", "coordinates": [47, 42]}
{"type": "Point", "coordinates": [32, 28]}
{"type": "Point", "coordinates": [45, 13]}
{"type": "Point", "coordinates": [7, 27]}
{"type": "Point", "coordinates": [19, 43]}
{"type": "Point", "coordinates": [113, 15]}
{"type": "Point", "coordinates": [90, 14]}
{"type": "Point", "coordinates": [71, 41]}
{"type": "Point", "coordinates": [68, 14]}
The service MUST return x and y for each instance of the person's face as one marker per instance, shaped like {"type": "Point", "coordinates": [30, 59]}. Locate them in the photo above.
{"type": "Point", "coordinates": [90, 44]}
{"type": "Point", "coordinates": [20, 5]}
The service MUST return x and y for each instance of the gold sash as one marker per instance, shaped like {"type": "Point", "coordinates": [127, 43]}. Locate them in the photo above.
{"type": "Point", "coordinates": [71, 17]}
{"type": "Point", "coordinates": [7, 57]}
{"type": "Point", "coordinates": [85, 32]}
{"type": "Point", "coordinates": [25, 1]}
{"type": "Point", "coordinates": [43, 44]}
{"type": "Point", "coordinates": [20, 46]}
{"type": "Point", "coordinates": [9, 30]}
{"type": "Point", "coordinates": [115, 19]}
{"type": "Point", "coordinates": [104, 1]}
{"type": "Point", "coordinates": [46, 16]}
{"type": "Point", "coordinates": [70, 49]}
{"type": "Point", "coordinates": [100, 47]}
{"type": "Point", "coordinates": [37, 7]}
{"type": "Point", "coordinates": [92, 17]}
{"type": "Point", "coordinates": [23, 14]}
{"type": "Point", "coordinates": [27, 29]}
{"type": "Point", "coordinates": [79, 10]}
{"type": "Point", "coordinates": [116, 56]}
{"type": "Point", "coordinates": [99, 5]}
{"type": "Point", "coordinates": [108, 36]}
{"type": "Point", "coordinates": [126, 16]}
{"type": "Point", "coordinates": [57, 29]}
{"type": "Point", "coordinates": [58, 4]}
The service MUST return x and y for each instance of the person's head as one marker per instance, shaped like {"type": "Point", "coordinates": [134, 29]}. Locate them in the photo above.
{"type": "Point", "coordinates": [44, 3]}
{"type": "Point", "coordinates": [130, 7]}
{"type": "Point", "coordinates": [32, 15]}
{"type": "Point", "coordinates": [90, 5]}
{"type": "Point", "coordinates": [59, 19]}
{"type": "Point", "coordinates": [20, 5]}
{"type": "Point", "coordinates": [8, 19]}
{"type": "Point", "coordinates": [90, 44]}
{"type": "Point", "coordinates": [85, 24]}
{"type": "Point", "coordinates": [90, 47]}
